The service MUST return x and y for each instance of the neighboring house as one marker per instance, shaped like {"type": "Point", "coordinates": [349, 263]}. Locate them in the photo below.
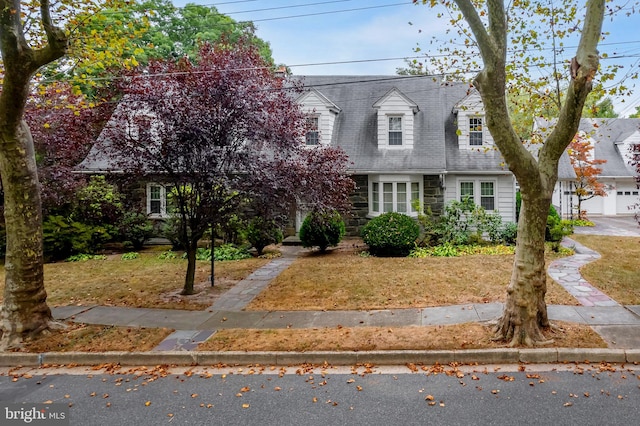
{"type": "Point", "coordinates": [408, 138]}
{"type": "Point", "coordinates": [612, 139]}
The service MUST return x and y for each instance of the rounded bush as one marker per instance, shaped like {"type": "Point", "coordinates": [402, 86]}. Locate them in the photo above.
{"type": "Point", "coordinates": [322, 229]}
{"type": "Point", "coordinates": [391, 234]}
{"type": "Point", "coordinates": [261, 232]}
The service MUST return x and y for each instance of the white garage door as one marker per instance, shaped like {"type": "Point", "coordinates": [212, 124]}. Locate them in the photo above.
{"type": "Point", "coordinates": [626, 196]}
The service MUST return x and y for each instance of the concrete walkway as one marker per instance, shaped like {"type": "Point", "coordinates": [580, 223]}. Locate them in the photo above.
{"type": "Point", "coordinates": [618, 325]}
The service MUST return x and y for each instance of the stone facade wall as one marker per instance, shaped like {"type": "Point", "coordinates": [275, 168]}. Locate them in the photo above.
{"type": "Point", "coordinates": [433, 194]}
{"type": "Point", "coordinates": [433, 197]}
{"type": "Point", "coordinates": [360, 210]}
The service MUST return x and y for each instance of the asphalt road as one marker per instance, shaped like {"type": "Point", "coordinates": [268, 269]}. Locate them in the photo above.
{"type": "Point", "coordinates": [540, 395]}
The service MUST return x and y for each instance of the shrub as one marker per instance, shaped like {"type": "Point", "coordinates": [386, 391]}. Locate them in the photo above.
{"type": "Point", "coordinates": [171, 231]}
{"type": "Point", "coordinates": [132, 255]}
{"type": "Point", "coordinates": [557, 228]}
{"type": "Point", "coordinates": [261, 232]}
{"type": "Point", "coordinates": [167, 255]}
{"type": "Point", "coordinates": [98, 203]}
{"type": "Point", "coordinates": [464, 222]}
{"type": "Point", "coordinates": [63, 237]}
{"type": "Point", "coordinates": [509, 233]}
{"type": "Point", "coordinates": [322, 229]}
{"type": "Point", "coordinates": [136, 228]}
{"type": "Point", "coordinates": [229, 252]}
{"type": "Point", "coordinates": [391, 234]}
{"type": "Point", "coordinates": [83, 257]}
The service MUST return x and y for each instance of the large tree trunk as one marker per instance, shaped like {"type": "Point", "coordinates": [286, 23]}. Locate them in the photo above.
{"type": "Point", "coordinates": [24, 311]}
{"type": "Point", "coordinates": [525, 311]}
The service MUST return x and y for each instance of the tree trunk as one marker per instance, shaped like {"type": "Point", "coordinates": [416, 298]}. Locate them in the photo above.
{"type": "Point", "coordinates": [189, 279]}
{"type": "Point", "coordinates": [24, 311]}
{"type": "Point", "coordinates": [525, 312]}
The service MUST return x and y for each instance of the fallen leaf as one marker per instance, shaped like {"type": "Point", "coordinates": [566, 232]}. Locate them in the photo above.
{"type": "Point", "coordinates": [194, 395]}
{"type": "Point", "coordinates": [148, 403]}
{"type": "Point", "coordinates": [429, 398]}
{"type": "Point", "coordinates": [245, 389]}
{"type": "Point", "coordinates": [245, 405]}
{"type": "Point", "coordinates": [350, 380]}
{"type": "Point", "coordinates": [314, 399]}
{"type": "Point", "coordinates": [359, 388]}
{"type": "Point", "coordinates": [48, 402]}
{"type": "Point", "coordinates": [567, 404]}
{"type": "Point", "coordinates": [277, 388]}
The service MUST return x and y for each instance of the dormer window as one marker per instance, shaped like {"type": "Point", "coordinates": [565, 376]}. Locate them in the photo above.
{"type": "Point", "coordinates": [395, 130]}
{"type": "Point", "coordinates": [395, 120]}
{"type": "Point", "coordinates": [471, 123]}
{"type": "Point", "coordinates": [313, 136]}
{"type": "Point", "coordinates": [475, 131]}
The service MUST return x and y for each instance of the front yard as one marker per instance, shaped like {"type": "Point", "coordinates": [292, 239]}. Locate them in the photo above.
{"type": "Point", "coordinates": [340, 280]}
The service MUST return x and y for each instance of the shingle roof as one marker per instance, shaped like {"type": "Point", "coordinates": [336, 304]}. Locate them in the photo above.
{"type": "Point", "coordinates": [436, 143]}
{"type": "Point", "coordinates": [609, 134]}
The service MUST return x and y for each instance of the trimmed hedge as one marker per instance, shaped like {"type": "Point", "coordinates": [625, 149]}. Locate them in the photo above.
{"type": "Point", "coordinates": [322, 229]}
{"type": "Point", "coordinates": [391, 234]}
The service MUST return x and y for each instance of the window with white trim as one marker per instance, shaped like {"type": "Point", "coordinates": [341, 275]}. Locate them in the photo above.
{"type": "Point", "coordinates": [313, 135]}
{"type": "Point", "coordinates": [394, 196]}
{"type": "Point", "coordinates": [395, 130]}
{"type": "Point", "coordinates": [475, 131]}
{"type": "Point", "coordinates": [466, 190]}
{"type": "Point", "coordinates": [157, 200]}
{"type": "Point", "coordinates": [487, 195]}
{"type": "Point", "coordinates": [481, 192]}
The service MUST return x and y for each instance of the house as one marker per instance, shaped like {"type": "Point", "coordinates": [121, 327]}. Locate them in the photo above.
{"type": "Point", "coordinates": [408, 138]}
{"type": "Point", "coordinates": [612, 139]}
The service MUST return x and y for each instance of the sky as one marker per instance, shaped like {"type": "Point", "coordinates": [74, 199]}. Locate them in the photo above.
{"type": "Point", "coordinates": [371, 37]}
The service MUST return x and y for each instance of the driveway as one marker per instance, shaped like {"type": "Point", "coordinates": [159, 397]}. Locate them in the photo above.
{"type": "Point", "coordinates": [625, 226]}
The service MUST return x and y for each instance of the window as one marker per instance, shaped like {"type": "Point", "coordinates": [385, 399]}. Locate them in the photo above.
{"type": "Point", "coordinates": [482, 193]}
{"type": "Point", "coordinates": [375, 197]}
{"type": "Point", "coordinates": [466, 190]}
{"type": "Point", "coordinates": [487, 197]}
{"type": "Point", "coordinates": [475, 131]}
{"type": "Point", "coordinates": [313, 136]}
{"type": "Point", "coordinates": [392, 196]}
{"type": "Point", "coordinates": [395, 130]}
{"type": "Point", "coordinates": [157, 200]}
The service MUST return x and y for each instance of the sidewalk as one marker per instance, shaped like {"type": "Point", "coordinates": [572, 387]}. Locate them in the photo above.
{"type": "Point", "coordinates": [618, 325]}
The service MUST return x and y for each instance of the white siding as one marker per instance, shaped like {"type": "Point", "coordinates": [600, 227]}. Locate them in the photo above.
{"type": "Point", "coordinates": [504, 187]}
{"type": "Point", "coordinates": [471, 107]}
{"type": "Point", "coordinates": [313, 104]}
{"type": "Point", "coordinates": [395, 105]}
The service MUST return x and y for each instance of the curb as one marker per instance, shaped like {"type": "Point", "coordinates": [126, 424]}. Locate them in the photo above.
{"type": "Point", "coordinates": [470, 356]}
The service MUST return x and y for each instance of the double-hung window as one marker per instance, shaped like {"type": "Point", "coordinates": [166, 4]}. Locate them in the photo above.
{"type": "Point", "coordinates": [313, 135]}
{"type": "Point", "coordinates": [475, 131]}
{"type": "Point", "coordinates": [487, 195]}
{"type": "Point", "coordinates": [395, 130]}
{"type": "Point", "coordinates": [157, 204]}
{"type": "Point", "coordinates": [482, 193]}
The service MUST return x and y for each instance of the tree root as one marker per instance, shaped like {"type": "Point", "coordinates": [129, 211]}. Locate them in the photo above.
{"type": "Point", "coordinates": [528, 334]}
